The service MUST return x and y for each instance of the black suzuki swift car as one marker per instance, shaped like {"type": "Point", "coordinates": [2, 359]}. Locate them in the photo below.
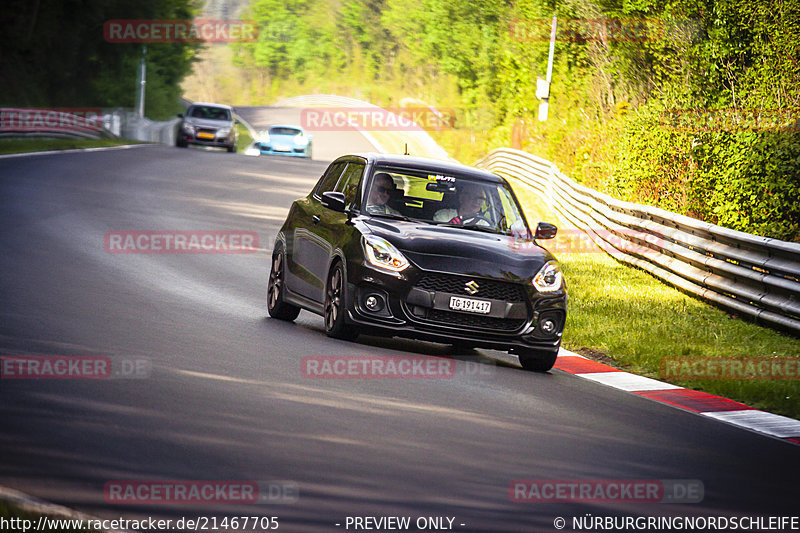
{"type": "Point", "coordinates": [413, 247]}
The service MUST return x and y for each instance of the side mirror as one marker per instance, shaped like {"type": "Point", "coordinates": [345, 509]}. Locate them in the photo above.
{"type": "Point", "coordinates": [545, 231]}
{"type": "Point", "coordinates": [333, 200]}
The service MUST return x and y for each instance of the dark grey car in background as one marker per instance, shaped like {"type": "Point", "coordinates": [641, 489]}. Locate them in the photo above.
{"type": "Point", "coordinates": [208, 125]}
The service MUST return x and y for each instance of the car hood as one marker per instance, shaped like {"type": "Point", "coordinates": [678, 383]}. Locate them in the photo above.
{"type": "Point", "coordinates": [459, 250]}
{"type": "Point", "coordinates": [283, 138]}
{"type": "Point", "coordinates": [209, 123]}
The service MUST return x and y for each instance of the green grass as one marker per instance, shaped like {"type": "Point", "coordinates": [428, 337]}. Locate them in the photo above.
{"type": "Point", "coordinates": [630, 319]}
{"type": "Point", "coordinates": [15, 146]}
{"type": "Point", "coordinates": [245, 139]}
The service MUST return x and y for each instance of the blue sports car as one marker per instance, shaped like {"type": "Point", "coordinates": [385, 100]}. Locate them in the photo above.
{"type": "Point", "coordinates": [284, 140]}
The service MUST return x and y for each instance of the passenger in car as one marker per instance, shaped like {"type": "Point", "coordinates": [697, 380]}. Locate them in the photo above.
{"type": "Point", "coordinates": [380, 192]}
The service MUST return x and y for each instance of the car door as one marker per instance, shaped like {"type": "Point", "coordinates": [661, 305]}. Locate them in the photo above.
{"type": "Point", "coordinates": [308, 253]}
{"type": "Point", "coordinates": [332, 228]}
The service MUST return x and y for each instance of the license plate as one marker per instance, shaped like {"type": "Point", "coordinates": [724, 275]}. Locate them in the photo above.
{"type": "Point", "coordinates": [282, 148]}
{"type": "Point", "coordinates": [204, 135]}
{"type": "Point", "coordinates": [469, 305]}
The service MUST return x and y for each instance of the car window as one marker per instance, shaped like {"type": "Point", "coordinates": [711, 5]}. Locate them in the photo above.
{"type": "Point", "coordinates": [349, 182]}
{"type": "Point", "coordinates": [455, 199]}
{"type": "Point", "coordinates": [330, 178]}
{"type": "Point", "coordinates": [209, 112]}
{"type": "Point", "coordinates": [284, 131]}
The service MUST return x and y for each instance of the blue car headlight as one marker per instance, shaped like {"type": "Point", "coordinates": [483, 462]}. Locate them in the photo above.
{"type": "Point", "coordinates": [301, 140]}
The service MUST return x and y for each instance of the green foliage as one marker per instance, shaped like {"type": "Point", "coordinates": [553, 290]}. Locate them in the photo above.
{"type": "Point", "coordinates": [751, 182]}
{"type": "Point", "coordinates": [624, 69]}
{"type": "Point", "coordinates": [54, 54]}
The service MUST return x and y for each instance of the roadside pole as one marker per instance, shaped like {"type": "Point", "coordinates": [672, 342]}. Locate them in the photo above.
{"type": "Point", "coordinates": [543, 86]}
{"type": "Point", "coordinates": [142, 82]}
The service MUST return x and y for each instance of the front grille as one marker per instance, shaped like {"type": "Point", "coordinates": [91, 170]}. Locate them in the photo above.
{"type": "Point", "coordinates": [464, 320]}
{"type": "Point", "coordinates": [489, 289]}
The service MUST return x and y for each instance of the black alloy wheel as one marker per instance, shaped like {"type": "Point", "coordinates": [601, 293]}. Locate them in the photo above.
{"type": "Point", "coordinates": [335, 305]}
{"type": "Point", "coordinates": [275, 305]}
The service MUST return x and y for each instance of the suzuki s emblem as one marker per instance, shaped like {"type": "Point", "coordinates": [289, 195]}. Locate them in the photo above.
{"type": "Point", "coordinates": [471, 287]}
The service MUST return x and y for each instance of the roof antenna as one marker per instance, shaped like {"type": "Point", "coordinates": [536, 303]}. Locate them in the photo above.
{"type": "Point", "coordinates": [406, 150]}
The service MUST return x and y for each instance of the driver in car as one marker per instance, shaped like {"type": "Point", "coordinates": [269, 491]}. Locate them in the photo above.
{"type": "Point", "coordinates": [379, 194]}
{"type": "Point", "coordinates": [470, 203]}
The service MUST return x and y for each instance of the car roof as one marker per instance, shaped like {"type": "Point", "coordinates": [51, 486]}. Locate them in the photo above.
{"type": "Point", "coordinates": [427, 164]}
{"type": "Point", "coordinates": [209, 104]}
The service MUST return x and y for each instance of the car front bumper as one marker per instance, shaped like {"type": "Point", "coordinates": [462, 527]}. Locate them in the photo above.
{"type": "Point", "coordinates": [220, 142]}
{"type": "Point", "coordinates": [410, 305]}
{"type": "Point", "coordinates": [292, 152]}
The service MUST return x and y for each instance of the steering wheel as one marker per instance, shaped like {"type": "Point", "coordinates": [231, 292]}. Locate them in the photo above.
{"type": "Point", "coordinates": [473, 220]}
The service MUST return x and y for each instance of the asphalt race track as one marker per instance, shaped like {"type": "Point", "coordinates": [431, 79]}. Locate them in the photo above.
{"type": "Point", "coordinates": [327, 145]}
{"type": "Point", "coordinates": [224, 398]}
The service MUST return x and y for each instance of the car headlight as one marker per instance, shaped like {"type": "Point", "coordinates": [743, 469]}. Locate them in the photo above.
{"type": "Point", "coordinates": [264, 138]}
{"type": "Point", "coordinates": [549, 277]}
{"type": "Point", "coordinates": [224, 132]}
{"type": "Point", "coordinates": [301, 140]}
{"type": "Point", "coordinates": [382, 254]}
{"type": "Point", "coordinates": [188, 128]}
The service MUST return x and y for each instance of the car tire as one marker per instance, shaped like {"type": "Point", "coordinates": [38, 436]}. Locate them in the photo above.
{"type": "Point", "coordinates": [276, 306]}
{"type": "Point", "coordinates": [232, 148]}
{"type": "Point", "coordinates": [180, 144]}
{"type": "Point", "coordinates": [335, 306]}
{"type": "Point", "coordinates": [537, 360]}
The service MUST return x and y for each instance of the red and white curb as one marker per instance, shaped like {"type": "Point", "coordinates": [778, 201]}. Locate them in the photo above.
{"type": "Point", "coordinates": [699, 402]}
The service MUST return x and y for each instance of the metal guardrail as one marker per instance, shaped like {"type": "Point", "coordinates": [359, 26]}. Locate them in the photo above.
{"type": "Point", "coordinates": [87, 123]}
{"type": "Point", "coordinates": [755, 276]}
{"type": "Point", "coordinates": [144, 129]}
{"type": "Point", "coordinates": [76, 123]}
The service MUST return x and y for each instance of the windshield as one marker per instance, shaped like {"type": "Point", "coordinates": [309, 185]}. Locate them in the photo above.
{"type": "Point", "coordinates": [284, 131]}
{"type": "Point", "coordinates": [210, 113]}
{"type": "Point", "coordinates": [447, 199]}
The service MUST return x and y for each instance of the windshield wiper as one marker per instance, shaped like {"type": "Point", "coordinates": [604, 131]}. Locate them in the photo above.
{"type": "Point", "coordinates": [391, 216]}
{"type": "Point", "coordinates": [473, 227]}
